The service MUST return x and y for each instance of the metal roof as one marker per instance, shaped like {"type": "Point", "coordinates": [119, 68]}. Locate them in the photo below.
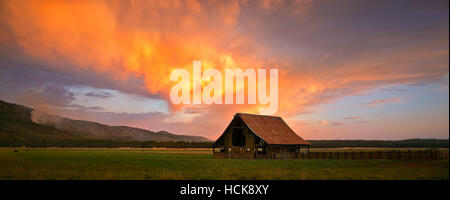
{"type": "Point", "coordinates": [272, 129]}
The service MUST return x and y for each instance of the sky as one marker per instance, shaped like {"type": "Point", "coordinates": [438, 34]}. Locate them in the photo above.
{"type": "Point", "coordinates": [347, 69]}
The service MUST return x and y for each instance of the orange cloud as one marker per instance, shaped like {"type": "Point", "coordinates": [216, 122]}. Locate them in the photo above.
{"type": "Point", "coordinates": [148, 39]}
{"type": "Point", "coordinates": [117, 41]}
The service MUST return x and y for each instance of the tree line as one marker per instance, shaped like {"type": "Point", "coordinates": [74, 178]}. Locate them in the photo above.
{"type": "Point", "coordinates": [410, 143]}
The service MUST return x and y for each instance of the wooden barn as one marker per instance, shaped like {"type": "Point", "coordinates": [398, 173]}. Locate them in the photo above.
{"type": "Point", "coordinates": [258, 136]}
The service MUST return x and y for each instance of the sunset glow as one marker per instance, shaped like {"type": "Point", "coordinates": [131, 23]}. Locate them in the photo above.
{"type": "Point", "coordinates": [342, 72]}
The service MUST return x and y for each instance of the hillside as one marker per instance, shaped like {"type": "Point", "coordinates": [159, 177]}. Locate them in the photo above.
{"type": "Point", "coordinates": [93, 130]}
{"type": "Point", "coordinates": [16, 127]}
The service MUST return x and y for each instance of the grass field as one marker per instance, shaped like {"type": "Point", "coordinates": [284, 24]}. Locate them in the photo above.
{"type": "Point", "coordinates": [77, 164]}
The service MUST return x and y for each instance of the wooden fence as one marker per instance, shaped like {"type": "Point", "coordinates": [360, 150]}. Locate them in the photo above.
{"type": "Point", "coordinates": [390, 154]}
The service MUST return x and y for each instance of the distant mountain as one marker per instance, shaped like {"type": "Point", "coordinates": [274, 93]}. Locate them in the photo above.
{"type": "Point", "coordinates": [17, 126]}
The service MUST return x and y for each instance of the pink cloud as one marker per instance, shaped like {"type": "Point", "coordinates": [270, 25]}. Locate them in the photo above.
{"type": "Point", "coordinates": [378, 102]}
{"type": "Point", "coordinates": [337, 123]}
{"type": "Point", "coordinates": [353, 117]}
{"type": "Point", "coordinates": [322, 122]}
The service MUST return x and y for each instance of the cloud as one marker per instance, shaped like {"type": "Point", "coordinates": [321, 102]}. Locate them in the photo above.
{"type": "Point", "coordinates": [378, 102]}
{"type": "Point", "coordinates": [337, 123]}
{"type": "Point", "coordinates": [353, 117]}
{"type": "Point", "coordinates": [50, 94]}
{"type": "Point", "coordinates": [101, 94]}
{"type": "Point", "coordinates": [322, 122]}
{"type": "Point", "coordinates": [185, 117]}
{"type": "Point", "coordinates": [86, 108]}
{"type": "Point", "coordinates": [120, 42]}
{"type": "Point", "coordinates": [393, 88]}
{"type": "Point", "coordinates": [117, 43]}
{"type": "Point", "coordinates": [53, 99]}
{"type": "Point", "coordinates": [324, 50]}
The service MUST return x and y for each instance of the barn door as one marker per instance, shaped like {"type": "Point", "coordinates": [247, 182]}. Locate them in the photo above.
{"type": "Point", "coordinates": [238, 137]}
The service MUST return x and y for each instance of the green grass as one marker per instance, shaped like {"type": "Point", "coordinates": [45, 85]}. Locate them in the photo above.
{"type": "Point", "coordinates": [198, 164]}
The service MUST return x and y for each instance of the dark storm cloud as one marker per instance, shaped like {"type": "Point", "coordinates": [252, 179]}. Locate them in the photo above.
{"type": "Point", "coordinates": [50, 94]}
{"type": "Point", "coordinates": [19, 73]}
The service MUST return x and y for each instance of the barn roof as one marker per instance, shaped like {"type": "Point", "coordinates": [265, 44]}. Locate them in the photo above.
{"type": "Point", "coordinates": [272, 129]}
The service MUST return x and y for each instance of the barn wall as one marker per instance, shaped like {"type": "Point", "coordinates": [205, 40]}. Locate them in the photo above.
{"type": "Point", "coordinates": [230, 151]}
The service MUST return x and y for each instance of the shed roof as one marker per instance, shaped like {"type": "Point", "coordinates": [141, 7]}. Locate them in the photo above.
{"type": "Point", "coordinates": [272, 129]}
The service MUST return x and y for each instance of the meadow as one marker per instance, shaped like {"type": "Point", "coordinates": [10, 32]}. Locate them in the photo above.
{"type": "Point", "coordinates": [195, 164]}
